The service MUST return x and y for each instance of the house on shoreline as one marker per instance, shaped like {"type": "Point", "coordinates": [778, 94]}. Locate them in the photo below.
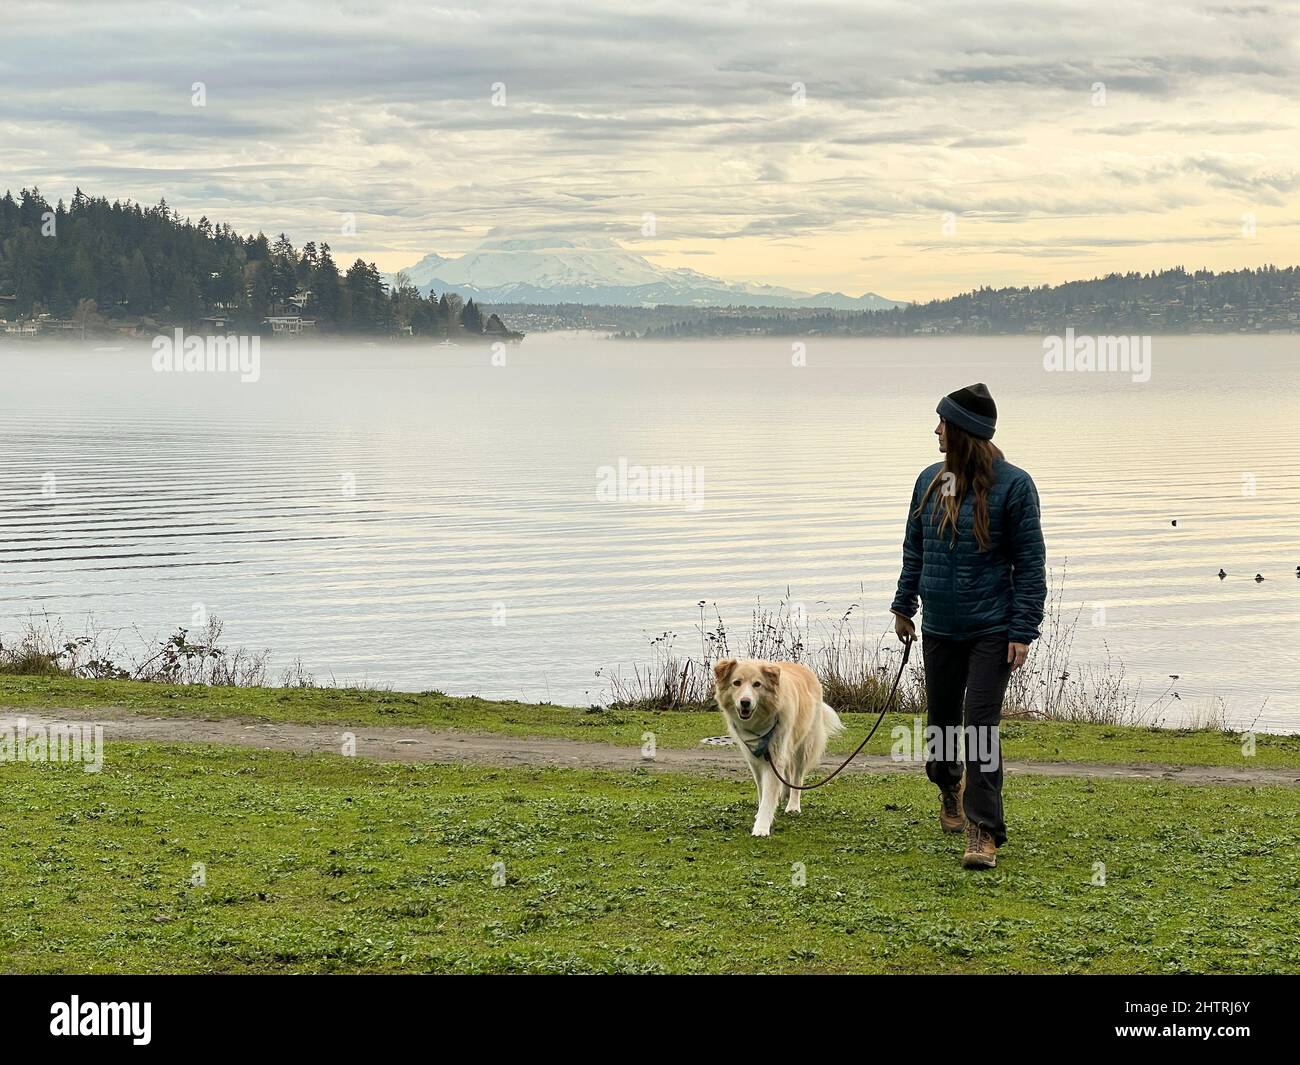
{"type": "Point", "coordinates": [289, 325]}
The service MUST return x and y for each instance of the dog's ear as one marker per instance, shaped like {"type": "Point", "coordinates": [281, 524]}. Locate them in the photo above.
{"type": "Point", "coordinates": [771, 674]}
{"type": "Point", "coordinates": [722, 670]}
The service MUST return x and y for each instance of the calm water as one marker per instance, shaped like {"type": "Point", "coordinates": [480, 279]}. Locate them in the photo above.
{"type": "Point", "coordinates": [424, 519]}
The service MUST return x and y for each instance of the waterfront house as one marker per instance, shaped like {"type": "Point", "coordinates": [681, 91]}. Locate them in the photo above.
{"type": "Point", "coordinates": [289, 324]}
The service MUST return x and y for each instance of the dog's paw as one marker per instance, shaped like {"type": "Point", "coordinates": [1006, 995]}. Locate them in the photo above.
{"type": "Point", "coordinates": [793, 810]}
{"type": "Point", "coordinates": [762, 830]}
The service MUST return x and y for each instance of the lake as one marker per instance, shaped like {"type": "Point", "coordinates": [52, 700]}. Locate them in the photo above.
{"type": "Point", "coordinates": [422, 518]}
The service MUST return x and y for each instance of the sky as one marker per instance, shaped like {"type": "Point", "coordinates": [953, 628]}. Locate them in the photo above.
{"type": "Point", "coordinates": [913, 149]}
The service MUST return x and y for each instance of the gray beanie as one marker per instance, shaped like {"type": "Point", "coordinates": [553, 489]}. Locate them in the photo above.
{"type": "Point", "coordinates": [970, 408]}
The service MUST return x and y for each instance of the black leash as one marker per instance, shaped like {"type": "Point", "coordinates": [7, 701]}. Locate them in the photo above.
{"type": "Point", "coordinates": [907, 653]}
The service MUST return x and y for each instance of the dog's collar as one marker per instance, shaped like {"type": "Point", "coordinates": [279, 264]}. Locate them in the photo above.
{"type": "Point", "coordinates": [759, 750]}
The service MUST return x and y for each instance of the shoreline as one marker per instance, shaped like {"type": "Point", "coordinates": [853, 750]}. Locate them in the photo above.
{"type": "Point", "coordinates": [105, 341]}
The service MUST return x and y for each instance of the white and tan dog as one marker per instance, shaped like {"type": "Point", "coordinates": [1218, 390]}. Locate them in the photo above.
{"type": "Point", "coordinates": [775, 709]}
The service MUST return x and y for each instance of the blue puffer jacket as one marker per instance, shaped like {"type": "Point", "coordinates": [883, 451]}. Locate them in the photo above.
{"type": "Point", "coordinates": [967, 592]}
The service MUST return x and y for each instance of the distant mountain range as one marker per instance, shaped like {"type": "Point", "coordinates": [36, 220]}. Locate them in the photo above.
{"type": "Point", "coordinates": [599, 271]}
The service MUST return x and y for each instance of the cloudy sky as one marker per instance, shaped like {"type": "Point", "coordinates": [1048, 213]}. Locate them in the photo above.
{"type": "Point", "coordinates": [913, 149]}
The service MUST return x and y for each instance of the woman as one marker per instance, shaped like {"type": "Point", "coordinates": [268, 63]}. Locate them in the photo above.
{"type": "Point", "coordinates": [974, 554]}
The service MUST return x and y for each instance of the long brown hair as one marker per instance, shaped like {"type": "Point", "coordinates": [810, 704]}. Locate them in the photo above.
{"type": "Point", "coordinates": [967, 467]}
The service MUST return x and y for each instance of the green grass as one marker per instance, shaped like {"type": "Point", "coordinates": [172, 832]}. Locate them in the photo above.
{"type": "Point", "coordinates": [1036, 741]}
{"type": "Point", "coordinates": [328, 864]}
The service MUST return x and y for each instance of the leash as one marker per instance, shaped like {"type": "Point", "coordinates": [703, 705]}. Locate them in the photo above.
{"type": "Point", "coordinates": [907, 653]}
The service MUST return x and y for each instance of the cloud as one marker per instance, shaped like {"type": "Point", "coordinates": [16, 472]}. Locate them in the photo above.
{"type": "Point", "coordinates": [737, 126]}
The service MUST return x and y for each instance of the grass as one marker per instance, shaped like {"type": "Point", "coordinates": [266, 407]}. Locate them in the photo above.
{"type": "Point", "coordinates": [329, 864]}
{"type": "Point", "coordinates": [1025, 740]}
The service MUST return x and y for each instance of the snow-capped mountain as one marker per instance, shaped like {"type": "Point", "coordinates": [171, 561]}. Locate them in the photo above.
{"type": "Point", "coordinates": [597, 270]}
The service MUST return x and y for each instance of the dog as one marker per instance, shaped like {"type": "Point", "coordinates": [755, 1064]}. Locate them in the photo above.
{"type": "Point", "coordinates": [774, 709]}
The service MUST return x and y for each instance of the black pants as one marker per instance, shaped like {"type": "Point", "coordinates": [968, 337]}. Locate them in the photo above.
{"type": "Point", "coordinates": [964, 684]}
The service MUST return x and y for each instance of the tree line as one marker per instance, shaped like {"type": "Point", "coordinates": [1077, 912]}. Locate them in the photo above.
{"type": "Point", "coordinates": [1160, 301]}
{"type": "Point", "coordinates": [131, 262]}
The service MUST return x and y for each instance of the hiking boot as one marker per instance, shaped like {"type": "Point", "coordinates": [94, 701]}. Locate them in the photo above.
{"type": "Point", "coordinates": [981, 851]}
{"type": "Point", "coordinates": [951, 818]}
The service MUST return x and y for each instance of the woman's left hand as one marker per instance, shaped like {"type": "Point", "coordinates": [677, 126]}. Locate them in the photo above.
{"type": "Point", "coordinates": [1016, 654]}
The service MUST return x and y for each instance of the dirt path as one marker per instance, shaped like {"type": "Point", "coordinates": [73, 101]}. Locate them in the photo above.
{"type": "Point", "coordinates": [420, 745]}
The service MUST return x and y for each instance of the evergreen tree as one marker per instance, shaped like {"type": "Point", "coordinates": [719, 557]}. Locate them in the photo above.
{"type": "Point", "coordinates": [470, 318]}
{"type": "Point", "coordinates": [139, 289]}
{"type": "Point", "coordinates": [365, 290]}
{"type": "Point", "coordinates": [183, 301]}
{"type": "Point", "coordinates": [284, 271]}
{"type": "Point", "coordinates": [327, 290]}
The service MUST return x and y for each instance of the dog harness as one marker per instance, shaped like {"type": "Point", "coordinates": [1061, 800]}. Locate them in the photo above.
{"type": "Point", "coordinates": [759, 750]}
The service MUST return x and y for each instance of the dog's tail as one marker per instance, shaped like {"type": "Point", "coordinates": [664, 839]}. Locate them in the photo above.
{"type": "Point", "coordinates": [831, 721]}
